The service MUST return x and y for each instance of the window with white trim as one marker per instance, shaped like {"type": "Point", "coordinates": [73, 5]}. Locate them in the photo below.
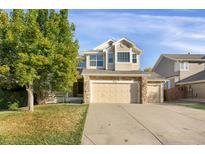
{"type": "Point", "coordinates": [96, 60]}
{"type": "Point", "coordinates": [134, 58]}
{"type": "Point", "coordinates": [123, 57]}
{"type": "Point", "coordinates": [184, 66]}
{"type": "Point", "coordinates": [110, 57]}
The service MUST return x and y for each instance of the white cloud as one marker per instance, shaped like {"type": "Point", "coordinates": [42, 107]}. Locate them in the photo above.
{"type": "Point", "coordinates": [171, 32]}
{"type": "Point", "coordinates": [187, 47]}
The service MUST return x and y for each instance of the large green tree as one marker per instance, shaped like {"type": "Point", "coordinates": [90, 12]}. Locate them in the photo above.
{"type": "Point", "coordinates": [38, 51]}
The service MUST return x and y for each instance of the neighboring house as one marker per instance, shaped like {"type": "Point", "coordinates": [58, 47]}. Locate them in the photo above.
{"type": "Point", "coordinates": [187, 70]}
{"type": "Point", "coordinates": [176, 67]}
{"type": "Point", "coordinates": [112, 75]}
{"type": "Point", "coordinates": [195, 85]}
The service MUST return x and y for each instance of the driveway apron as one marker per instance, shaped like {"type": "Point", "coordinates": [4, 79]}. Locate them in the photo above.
{"type": "Point", "coordinates": [143, 124]}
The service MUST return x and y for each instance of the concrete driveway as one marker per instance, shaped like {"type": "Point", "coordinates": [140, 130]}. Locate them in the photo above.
{"type": "Point", "coordinates": [143, 124]}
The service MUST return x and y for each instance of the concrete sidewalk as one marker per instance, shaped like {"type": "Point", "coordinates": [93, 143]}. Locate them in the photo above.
{"type": "Point", "coordinates": [143, 124]}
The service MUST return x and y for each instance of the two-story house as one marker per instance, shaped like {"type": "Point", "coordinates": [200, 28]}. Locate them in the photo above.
{"type": "Point", "coordinates": [112, 75]}
{"type": "Point", "coordinates": [183, 69]}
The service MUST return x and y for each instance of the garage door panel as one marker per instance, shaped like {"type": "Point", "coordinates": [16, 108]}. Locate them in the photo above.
{"type": "Point", "coordinates": [153, 93]}
{"type": "Point", "coordinates": [114, 92]}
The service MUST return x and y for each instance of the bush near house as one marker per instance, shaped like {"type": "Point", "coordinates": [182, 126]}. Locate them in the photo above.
{"type": "Point", "coordinates": [49, 124]}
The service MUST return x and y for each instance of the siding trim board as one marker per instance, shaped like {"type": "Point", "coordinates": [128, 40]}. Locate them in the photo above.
{"type": "Point", "coordinates": [191, 82]}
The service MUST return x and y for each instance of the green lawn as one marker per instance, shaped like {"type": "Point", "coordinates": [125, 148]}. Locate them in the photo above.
{"type": "Point", "coordinates": [48, 124]}
{"type": "Point", "coordinates": [194, 105]}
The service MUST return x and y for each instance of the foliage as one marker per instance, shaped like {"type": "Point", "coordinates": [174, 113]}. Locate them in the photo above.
{"type": "Point", "coordinates": [13, 106]}
{"type": "Point", "coordinates": [49, 124]}
{"type": "Point", "coordinates": [37, 50]}
{"type": "Point", "coordinates": [148, 69]}
{"type": "Point", "coordinates": [193, 105]}
{"type": "Point", "coordinates": [8, 96]}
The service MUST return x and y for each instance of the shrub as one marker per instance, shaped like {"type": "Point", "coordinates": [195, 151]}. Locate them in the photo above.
{"type": "Point", "coordinates": [13, 106]}
{"type": "Point", "coordinates": [17, 95]}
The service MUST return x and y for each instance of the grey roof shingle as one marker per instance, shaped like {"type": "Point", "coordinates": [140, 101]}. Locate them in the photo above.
{"type": "Point", "coordinates": [196, 77]}
{"type": "Point", "coordinates": [191, 57]}
{"type": "Point", "coordinates": [155, 76]}
{"type": "Point", "coordinates": [150, 76]}
{"type": "Point", "coordinates": [110, 72]}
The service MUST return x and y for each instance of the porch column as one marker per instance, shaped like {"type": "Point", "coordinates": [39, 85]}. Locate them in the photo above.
{"type": "Point", "coordinates": [86, 91]}
{"type": "Point", "coordinates": [143, 87]}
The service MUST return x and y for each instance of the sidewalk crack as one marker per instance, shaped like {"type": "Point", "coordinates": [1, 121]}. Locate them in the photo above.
{"type": "Point", "coordinates": [89, 139]}
{"type": "Point", "coordinates": [142, 125]}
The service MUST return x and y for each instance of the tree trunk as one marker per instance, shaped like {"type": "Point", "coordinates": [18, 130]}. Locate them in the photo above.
{"type": "Point", "coordinates": [29, 89]}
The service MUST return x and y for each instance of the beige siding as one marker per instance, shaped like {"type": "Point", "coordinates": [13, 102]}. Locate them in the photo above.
{"type": "Point", "coordinates": [199, 90]}
{"type": "Point", "coordinates": [126, 66]}
{"type": "Point", "coordinates": [135, 66]}
{"type": "Point", "coordinates": [193, 69]}
{"type": "Point", "coordinates": [111, 66]}
{"type": "Point", "coordinates": [123, 67]}
{"type": "Point", "coordinates": [122, 47]}
{"type": "Point", "coordinates": [166, 68]}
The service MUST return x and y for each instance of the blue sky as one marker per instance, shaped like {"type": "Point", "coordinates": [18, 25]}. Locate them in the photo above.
{"type": "Point", "coordinates": [154, 31]}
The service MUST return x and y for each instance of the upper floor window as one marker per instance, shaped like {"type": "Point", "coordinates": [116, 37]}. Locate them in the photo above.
{"type": "Point", "coordinates": [110, 57]}
{"type": "Point", "coordinates": [134, 58]}
{"type": "Point", "coordinates": [96, 60]}
{"type": "Point", "coordinates": [123, 57]}
{"type": "Point", "coordinates": [81, 64]}
{"type": "Point", "coordinates": [184, 66]}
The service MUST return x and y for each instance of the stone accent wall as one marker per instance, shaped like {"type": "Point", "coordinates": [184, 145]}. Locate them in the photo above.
{"type": "Point", "coordinates": [86, 93]}
{"type": "Point", "coordinates": [143, 96]}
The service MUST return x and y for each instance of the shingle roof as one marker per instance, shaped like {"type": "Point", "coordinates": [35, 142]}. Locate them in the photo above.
{"type": "Point", "coordinates": [97, 72]}
{"type": "Point", "coordinates": [110, 72]}
{"type": "Point", "coordinates": [198, 77]}
{"type": "Point", "coordinates": [156, 76]}
{"type": "Point", "coordinates": [190, 57]}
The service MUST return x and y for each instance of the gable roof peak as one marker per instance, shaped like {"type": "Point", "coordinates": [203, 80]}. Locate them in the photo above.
{"type": "Point", "coordinates": [106, 42]}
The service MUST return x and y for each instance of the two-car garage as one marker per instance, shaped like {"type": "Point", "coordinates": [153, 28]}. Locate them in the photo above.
{"type": "Point", "coordinates": [131, 87]}
{"type": "Point", "coordinates": [115, 91]}
{"type": "Point", "coordinates": [110, 91]}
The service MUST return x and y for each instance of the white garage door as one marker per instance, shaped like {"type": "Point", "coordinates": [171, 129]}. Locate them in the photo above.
{"type": "Point", "coordinates": [198, 90]}
{"type": "Point", "coordinates": [109, 92]}
{"type": "Point", "coordinates": [153, 93]}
